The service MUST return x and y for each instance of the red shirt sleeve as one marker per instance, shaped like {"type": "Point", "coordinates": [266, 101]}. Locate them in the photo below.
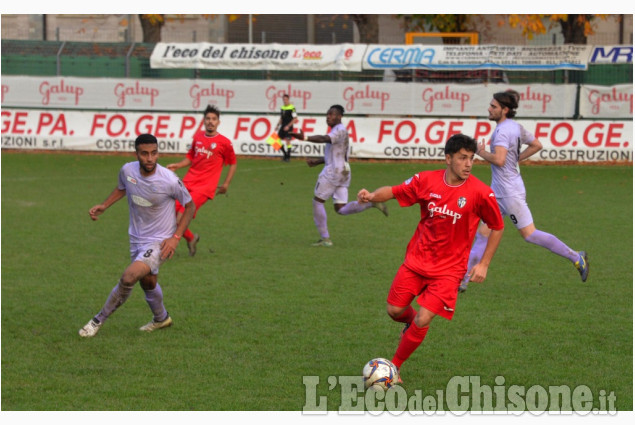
{"type": "Point", "coordinates": [490, 213]}
{"type": "Point", "coordinates": [406, 193]}
{"type": "Point", "coordinates": [229, 156]}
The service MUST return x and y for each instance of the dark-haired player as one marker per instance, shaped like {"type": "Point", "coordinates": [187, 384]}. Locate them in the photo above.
{"type": "Point", "coordinates": [210, 151]}
{"type": "Point", "coordinates": [152, 191]}
{"type": "Point", "coordinates": [504, 155]}
{"type": "Point", "coordinates": [452, 202]}
{"type": "Point", "coordinates": [335, 177]}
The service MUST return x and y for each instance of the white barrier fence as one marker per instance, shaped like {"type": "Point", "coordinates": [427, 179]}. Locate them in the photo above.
{"type": "Point", "coordinates": [311, 97]}
{"type": "Point", "coordinates": [376, 137]}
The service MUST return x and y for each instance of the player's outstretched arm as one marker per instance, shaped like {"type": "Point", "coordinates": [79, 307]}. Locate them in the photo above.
{"type": "Point", "coordinates": [314, 139]}
{"type": "Point", "coordinates": [98, 209]}
{"type": "Point", "coordinates": [298, 135]}
{"type": "Point", "coordinates": [314, 162]}
{"type": "Point", "coordinates": [382, 194]}
{"type": "Point", "coordinates": [176, 165]}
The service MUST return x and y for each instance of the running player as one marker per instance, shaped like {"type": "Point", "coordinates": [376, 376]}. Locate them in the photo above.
{"type": "Point", "coordinates": [507, 183]}
{"type": "Point", "coordinates": [335, 177]}
{"type": "Point", "coordinates": [210, 151]}
{"type": "Point", "coordinates": [154, 231]}
{"type": "Point", "coordinates": [452, 202]}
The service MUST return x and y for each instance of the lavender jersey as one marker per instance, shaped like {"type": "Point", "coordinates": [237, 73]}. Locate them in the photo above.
{"type": "Point", "coordinates": [151, 202]}
{"type": "Point", "coordinates": [336, 168]}
{"type": "Point", "coordinates": [506, 180]}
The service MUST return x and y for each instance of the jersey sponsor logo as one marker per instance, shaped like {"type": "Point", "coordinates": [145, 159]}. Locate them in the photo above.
{"type": "Point", "coordinates": [202, 151]}
{"type": "Point", "coordinates": [142, 202]}
{"type": "Point", "coordinates": [131, 179]}
{"type": "Point", "coordinates": [443, 211]}
{"type": "Point", "coordinates": [491, 195]}
{"type": "Point", "coordinates": [434, 195]}
{"type": "Point", "coordinates": [461, 202]}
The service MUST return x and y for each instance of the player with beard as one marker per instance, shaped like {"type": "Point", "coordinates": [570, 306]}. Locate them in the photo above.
{"type": "Point", "coordinates": [154, 231]}
{"type": "Point", "coordinates": [504, 156]}
{"type": "Point", "coordinates": [210, 151]}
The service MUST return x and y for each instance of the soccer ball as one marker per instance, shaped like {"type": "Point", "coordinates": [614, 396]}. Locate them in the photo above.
{"type": "Point", "coordinates": [380, 373]}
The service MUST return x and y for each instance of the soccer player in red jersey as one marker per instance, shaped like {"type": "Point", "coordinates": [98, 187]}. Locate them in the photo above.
{"type": "Point", "coordinates": [210, 151]}
{"type": "Point", "coordinates": [452, 202]}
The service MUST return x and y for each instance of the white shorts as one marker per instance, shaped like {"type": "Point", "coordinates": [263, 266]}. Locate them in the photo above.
{"type": "Point", "coordinates": [325, 189]}
{"type": "Point", "coordinates": [149, 254]}
{"type": "Point", "coordinates": [517, 209]}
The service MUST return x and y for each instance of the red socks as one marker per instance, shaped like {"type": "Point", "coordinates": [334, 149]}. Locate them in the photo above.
{"type": "Point", "coordinates": [411, 339]}
{"type": "Point", "coordinates": [189, 236]}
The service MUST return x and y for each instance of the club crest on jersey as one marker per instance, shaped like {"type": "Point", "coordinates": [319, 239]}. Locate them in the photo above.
{"type": "Point", "coordinates": [461, 202]}
{"type": "Point", "coordinates": [131, 179]}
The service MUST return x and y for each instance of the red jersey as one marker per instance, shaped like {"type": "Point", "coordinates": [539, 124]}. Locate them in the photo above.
{"type": "Point", "coordinates": [208, 155]}
{"type": "Point", "coordinates": [449, 219]}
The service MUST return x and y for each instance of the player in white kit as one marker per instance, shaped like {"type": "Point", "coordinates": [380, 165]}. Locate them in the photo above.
{"type": "Point", "coordinates": [504, 155]}
{"type": "Point", "coordinates": [335, 177]}
{"type": "Point", "coordinates": [154, 232]}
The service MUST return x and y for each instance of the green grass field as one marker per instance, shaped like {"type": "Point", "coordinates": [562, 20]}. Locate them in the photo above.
{"type": "Point", "coordinates": [265, 309]}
